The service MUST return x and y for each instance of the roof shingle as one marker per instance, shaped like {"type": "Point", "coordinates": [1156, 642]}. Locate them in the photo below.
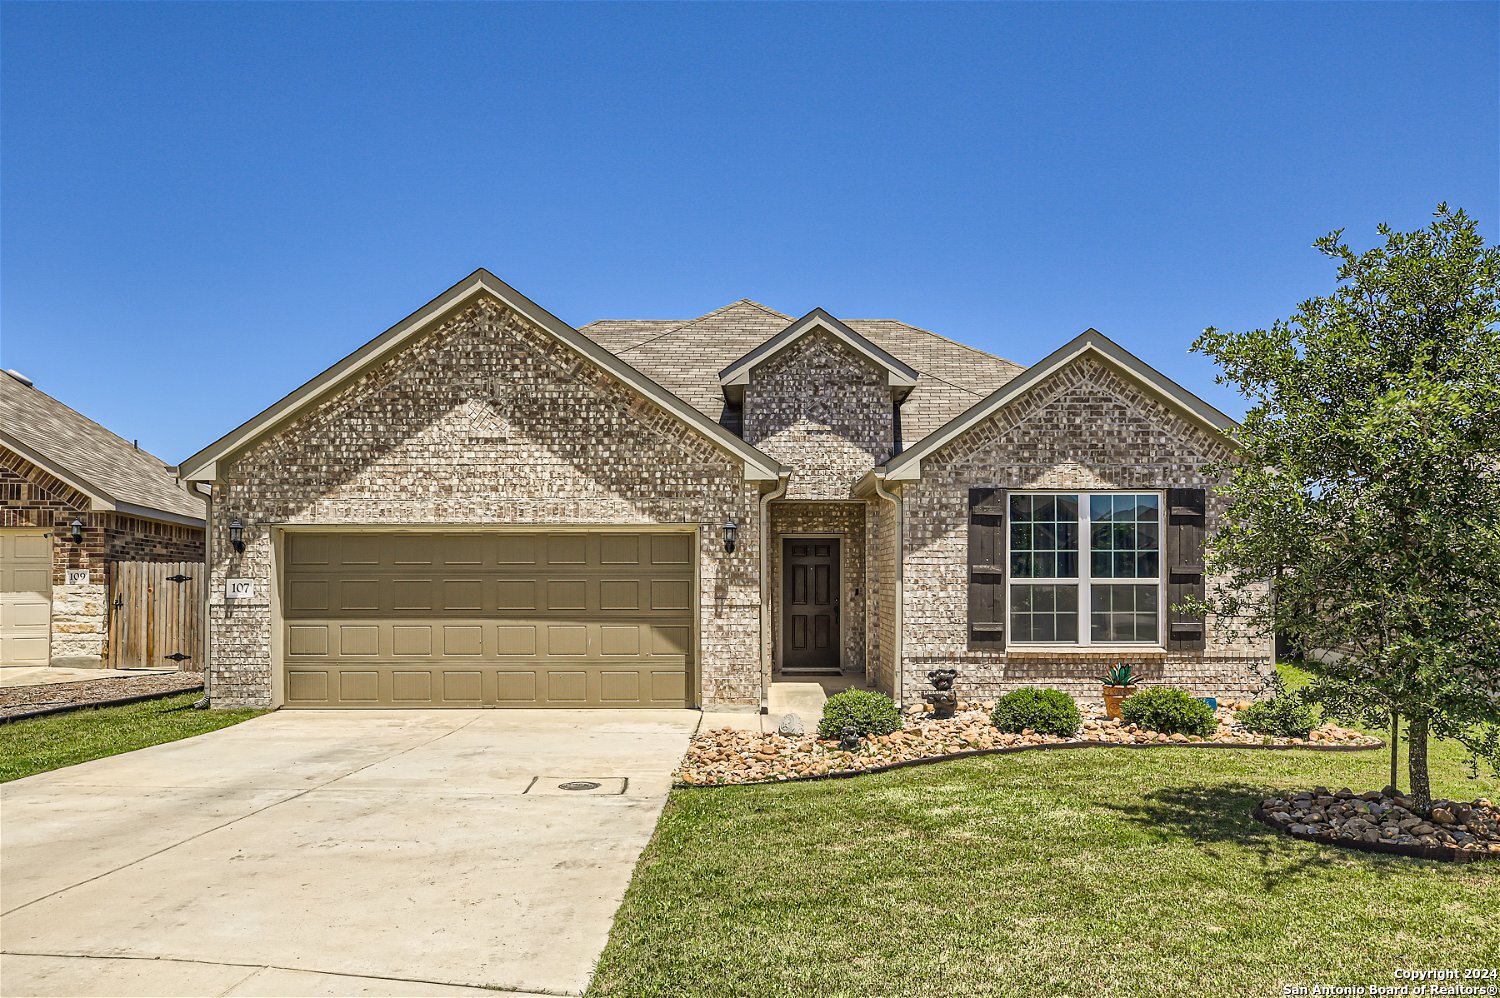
{"type": "Point", "coordinates": [89, 455]}
{"type": "Point", "coordinates": [685, 357]}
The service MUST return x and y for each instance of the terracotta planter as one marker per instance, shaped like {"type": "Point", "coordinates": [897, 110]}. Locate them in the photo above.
{"type": "Point", "coordinates": [1113, 697]}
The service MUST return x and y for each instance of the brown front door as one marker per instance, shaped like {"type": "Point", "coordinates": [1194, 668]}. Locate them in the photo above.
{"type": "Point", "coordinates": [810, 603]}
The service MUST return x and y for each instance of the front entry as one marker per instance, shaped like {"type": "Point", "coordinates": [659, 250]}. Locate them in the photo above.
{"type": "Point", "coordinates": [810, 603]}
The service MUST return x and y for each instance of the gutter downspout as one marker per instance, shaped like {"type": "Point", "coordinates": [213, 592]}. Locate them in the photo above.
{"type": "Point", "coordinates": [765, 589]}
{"type": "Point", "coordinates": [900, 609]}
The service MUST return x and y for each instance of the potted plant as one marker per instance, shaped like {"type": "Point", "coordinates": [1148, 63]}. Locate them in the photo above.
{"type": "Point", "coordinates": [1119, 684]}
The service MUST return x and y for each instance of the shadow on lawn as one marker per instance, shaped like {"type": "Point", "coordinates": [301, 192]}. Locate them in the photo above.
{"type": "Point", "coordinates": [1217, 816]}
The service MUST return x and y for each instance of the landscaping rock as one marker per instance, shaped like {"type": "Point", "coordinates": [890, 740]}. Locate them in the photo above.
{"type": "Point", "coordinates": [723, 755]}
{"type": "Point", "coordinates": [1387, 817]}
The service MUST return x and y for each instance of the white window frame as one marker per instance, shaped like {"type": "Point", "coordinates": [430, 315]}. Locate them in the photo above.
{"type": "Point", "coordinates": [1084, 581]}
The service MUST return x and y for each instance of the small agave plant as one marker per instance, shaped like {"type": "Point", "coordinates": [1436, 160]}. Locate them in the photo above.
{"type": "Point", "coordinates": [1120, 675]}
{"type": "Point", "coordinates": [1118, 685]}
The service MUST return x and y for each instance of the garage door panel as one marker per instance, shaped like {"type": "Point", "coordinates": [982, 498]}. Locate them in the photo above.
{"type": "Point", "coordinates": [408, 686]}
{"type": "Point", "coordinates": [359, 640]}
{"type": "Point", "coordinates": [516, 688]}
{"type": "Point", "coordinates": [515, 639]}
{"type": "Point", "coordinates": [527, 619]}
{"type": "Point", "coordinates": [25, 597]}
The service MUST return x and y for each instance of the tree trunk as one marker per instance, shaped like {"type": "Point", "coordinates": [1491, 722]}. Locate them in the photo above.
{"type": "Point", "coordinates": [1416, 760]}
{"type": "Point", "coordinates": [1395, 748]}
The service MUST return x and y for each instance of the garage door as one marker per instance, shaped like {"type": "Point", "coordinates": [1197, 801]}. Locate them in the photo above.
{"type": "Point", "coordinates": [545, 619]}
{"type": "Point", "coordinates": [25, 597]}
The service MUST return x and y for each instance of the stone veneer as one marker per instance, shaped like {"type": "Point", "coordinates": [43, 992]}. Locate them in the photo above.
{"type": "Point", "coordinates": [847, 520]}
{"type": "Point", "coordinates": [486, 419]}
{"type": "Point", "coordinates": [1084, 427]}
{"type": "Point", "coordinates": [822, 410]}
{"type": "Point", "coordinates": [30, 497]}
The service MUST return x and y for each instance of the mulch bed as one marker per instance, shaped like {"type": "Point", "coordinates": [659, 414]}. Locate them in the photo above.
{"type": "Point", "coordinates": [725, 757]}
{"type": "Point", "coordinates": [24, 701]}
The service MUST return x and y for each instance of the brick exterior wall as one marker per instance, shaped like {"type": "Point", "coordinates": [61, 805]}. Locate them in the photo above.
{"type": "Point", "coordinates": [29, 497]}
{"type": "Point", "coordinates": [824, 411]}
{"type": "Point", "coordinates": [847, 520]}
{"type": "Point", "coordinates": [488, 420]}
{"type": "Point", "coordinates": [1085, 427]}
{"type": "Point", "coordinates": [881, 594]}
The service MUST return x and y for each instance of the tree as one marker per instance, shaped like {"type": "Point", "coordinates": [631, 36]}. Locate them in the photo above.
{"type": "Point", "coordinates": [1367, 486]}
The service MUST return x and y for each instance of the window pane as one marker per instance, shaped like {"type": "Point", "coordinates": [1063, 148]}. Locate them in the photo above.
{"type": "Point", "coordinates": [1123, 613]}
{"type": "Point", "coordinates": [1044, 529]}
{"type": "Point", "coordinates": [1124, 536]}
{"type": "Point", "coordinates": [1043, 612]}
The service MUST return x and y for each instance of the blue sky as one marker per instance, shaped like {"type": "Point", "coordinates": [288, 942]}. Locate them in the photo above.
{"type": "Point", "coordinates": [202, 206]}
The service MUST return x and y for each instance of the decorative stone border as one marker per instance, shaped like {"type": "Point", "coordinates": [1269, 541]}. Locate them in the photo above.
{"type": "Point", "coordinates": [1440, 854]}
{"type": "Point", "coordinates": [68, 708]}
{"type": "Point", "coordinates": [844, 774]}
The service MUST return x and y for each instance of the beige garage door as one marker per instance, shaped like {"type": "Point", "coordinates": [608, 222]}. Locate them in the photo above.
{"type": "Point", "coordinates": [25, 597]}
{"type": "Point", "coordinates": [546, 619]}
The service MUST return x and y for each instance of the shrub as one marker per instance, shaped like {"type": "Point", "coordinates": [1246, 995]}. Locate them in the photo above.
{"type": "Point", "coordinates": [1047, 712]}
{"type": "Point", "coordinates": [870, 712]}
{"type": "Point", "coordinates": [1169, 712]}
{"type": "Point", "coordinates": [1283, 714]}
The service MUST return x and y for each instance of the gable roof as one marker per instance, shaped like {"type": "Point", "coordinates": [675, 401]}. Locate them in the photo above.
{"type": "Point", "coordinates": [687, 357]}
{"type": "Point", "coordinates": [899, 375]}
{"type": "Point", "coordinates": [907, 466]}
{"type": "Point", "coordinates": [113, 472]}
{"type": "Point", "coordinates": [202, 466]}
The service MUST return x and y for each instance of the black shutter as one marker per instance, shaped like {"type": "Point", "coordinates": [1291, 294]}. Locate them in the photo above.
{"type": "Point", "coordinates": [1186, 523]}
{"type": "Point", "coordinates": [986, 569]}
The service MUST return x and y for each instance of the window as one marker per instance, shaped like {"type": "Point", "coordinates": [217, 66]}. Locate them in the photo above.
{"type": "Point", "coordinates": [1085, 568]}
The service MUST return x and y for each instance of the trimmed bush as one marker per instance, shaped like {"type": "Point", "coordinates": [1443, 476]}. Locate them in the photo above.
{"type": "Point", "coordinates": [1169, 712]}
{"type": "Point", "coordinates": [870, 712]}
{"type": "Point", "coordinates": [1283, 714]}
{"type": "Point", "coordinates": [1047, 712]}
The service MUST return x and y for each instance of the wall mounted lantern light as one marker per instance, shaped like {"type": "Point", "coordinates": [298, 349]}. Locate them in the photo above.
{"type": "Point", "coordinates": [77, 531]}
{"type": "Point", "coordinates": [731, 536]}
{"type": "Point", "coordinates": [237, 534]}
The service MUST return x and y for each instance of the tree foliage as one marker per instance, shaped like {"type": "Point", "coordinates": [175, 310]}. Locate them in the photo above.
{"type": "Point", "coordinates": [1367, 485]}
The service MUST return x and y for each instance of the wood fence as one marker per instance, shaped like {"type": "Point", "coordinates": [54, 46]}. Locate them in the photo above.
{"type": "Point", "coordinates": [156, 615]}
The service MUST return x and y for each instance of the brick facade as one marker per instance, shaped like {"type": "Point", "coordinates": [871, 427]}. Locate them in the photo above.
{"type": "Point", "coordinates": [847, 521]}
{"type": "Point", "coordinates": [487, 419]}
{"type": "Point", "coordinates": [30, 497]}
{"type": "Point", "coordinates": [1085, 427]}
{"type": "Point", "coordinates": [823, 410]}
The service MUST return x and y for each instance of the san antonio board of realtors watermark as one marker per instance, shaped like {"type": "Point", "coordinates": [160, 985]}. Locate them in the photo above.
{"type": "Point", "coordinates": [1447, 981]}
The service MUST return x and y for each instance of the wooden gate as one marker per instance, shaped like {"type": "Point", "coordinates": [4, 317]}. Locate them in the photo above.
{"type": "Point", "coordinates": [156, 615]}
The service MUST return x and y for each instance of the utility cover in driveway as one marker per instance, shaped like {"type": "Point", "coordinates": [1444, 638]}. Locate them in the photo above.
{"type": "Point", "coordinates": [539, 619]}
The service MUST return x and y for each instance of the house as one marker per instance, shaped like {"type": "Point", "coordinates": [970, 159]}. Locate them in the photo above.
{"type": "Point", "coordinates": [74, 499]}
{"type": "Point", "coordinates": [483, 506]}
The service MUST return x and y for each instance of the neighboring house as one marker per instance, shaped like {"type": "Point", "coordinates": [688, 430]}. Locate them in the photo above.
{"type": "Point", "coordinates": [75, 498]}
{"type": "Point", "coordinates": [485, 506]}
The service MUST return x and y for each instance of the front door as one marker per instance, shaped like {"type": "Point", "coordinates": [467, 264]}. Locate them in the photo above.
{"type": "Point", "coordinates": [810, 603]}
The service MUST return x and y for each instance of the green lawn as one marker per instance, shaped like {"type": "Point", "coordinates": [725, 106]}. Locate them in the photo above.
{"type": "Point", "coordinates": [43, 743]}
{"type": "Point", "coordinates": [1109, 871]}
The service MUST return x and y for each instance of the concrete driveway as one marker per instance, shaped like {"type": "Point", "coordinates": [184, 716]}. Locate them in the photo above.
{"type": "Point", "coordinates": [421, 852]}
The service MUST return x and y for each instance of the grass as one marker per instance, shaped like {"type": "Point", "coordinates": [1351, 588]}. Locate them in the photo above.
{"type": "Point", "coordinates": [1115, 871]}
{"type": "Point", "coordinates": [44, 743]}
